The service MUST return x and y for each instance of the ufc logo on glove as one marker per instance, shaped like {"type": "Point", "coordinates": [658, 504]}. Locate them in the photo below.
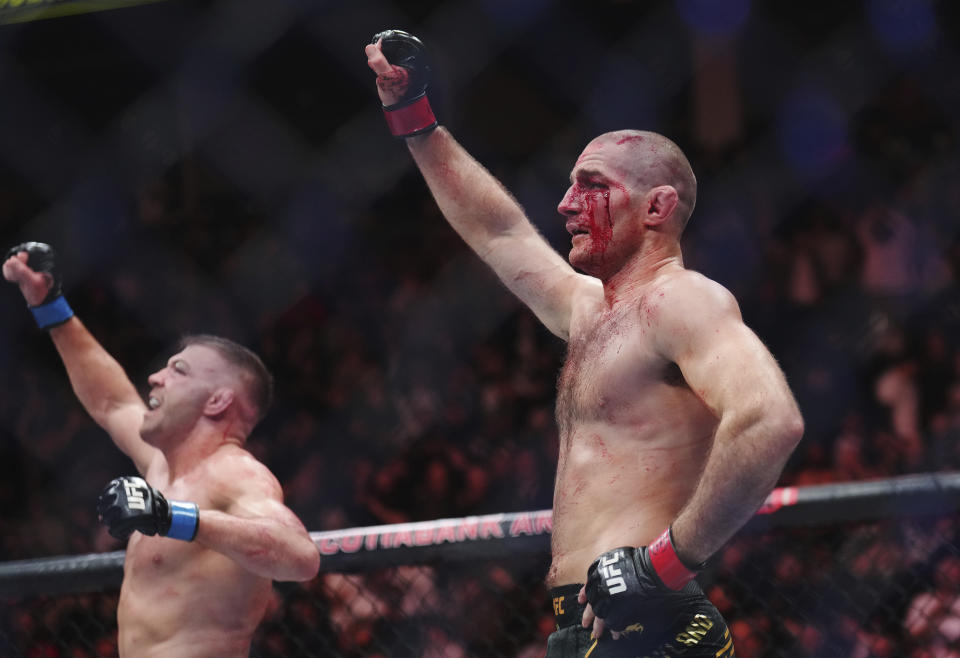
{"type": "Point", "coordinates": [612, 575]}
{"type": "Point", "coordinates": [134, 496]}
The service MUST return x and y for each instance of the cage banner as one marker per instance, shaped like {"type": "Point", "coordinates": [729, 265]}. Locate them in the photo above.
{"type": "Point", "coordinates": [494, 536]}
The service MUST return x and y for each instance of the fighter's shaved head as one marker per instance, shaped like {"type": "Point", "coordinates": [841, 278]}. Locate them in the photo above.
{"type": "Point", "coordinates": [654, 160]}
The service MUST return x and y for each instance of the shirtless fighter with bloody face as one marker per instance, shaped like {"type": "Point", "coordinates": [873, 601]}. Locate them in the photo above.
{"type": "Point", "coordinates": [675, 421]}
{"type": "Point", "coordinates": [201, 554]}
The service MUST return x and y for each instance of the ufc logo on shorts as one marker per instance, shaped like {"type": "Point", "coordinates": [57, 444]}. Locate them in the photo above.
{"type": "Point", "coordinates": [611, 574]}
{"type": "Point", "coordinates": [134, 496]}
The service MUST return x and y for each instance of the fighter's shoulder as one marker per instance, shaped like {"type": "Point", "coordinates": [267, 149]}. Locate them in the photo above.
{"type": "Point", "coordinates": [688, 291]}
{"type": "Point", "coordinates": [234, 470]}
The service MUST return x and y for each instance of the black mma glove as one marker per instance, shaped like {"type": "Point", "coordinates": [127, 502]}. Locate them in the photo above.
{"type": "Point", "coordinates": [54, 309]}
{"type": "Point", "coordinates": [129, 503]}
{"type": "Point", "coordinates": [412, 114]}
{"type": "Point", "coordinates": [646, 585]}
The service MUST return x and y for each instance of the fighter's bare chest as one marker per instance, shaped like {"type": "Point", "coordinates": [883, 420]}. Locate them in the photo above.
{"type": "Point", "coordinates": [610, 361]}
{"type": "Point", "coordinates": [151, 556]}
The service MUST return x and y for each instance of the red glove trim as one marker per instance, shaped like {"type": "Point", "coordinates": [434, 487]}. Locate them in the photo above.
{"type": "Point", "coordinates": [410, 118]}
{"type": "Point", "coordinates": [667, 564]}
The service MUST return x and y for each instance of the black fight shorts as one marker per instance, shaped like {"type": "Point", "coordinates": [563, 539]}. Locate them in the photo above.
{"type": "Point", "coordinates": [698, 632]}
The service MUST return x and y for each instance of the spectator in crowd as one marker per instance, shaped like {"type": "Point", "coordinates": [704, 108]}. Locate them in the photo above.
{"type": "Point", "coordinates": [933, 617]}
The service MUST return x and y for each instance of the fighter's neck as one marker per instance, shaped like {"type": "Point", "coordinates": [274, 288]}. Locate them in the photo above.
{"type": "Point", "coordinates": [197, 447]}
{"type": "Point", "coordinates": [640, 272]}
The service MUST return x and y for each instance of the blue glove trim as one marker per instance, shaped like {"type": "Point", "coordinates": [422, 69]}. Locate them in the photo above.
{"type": "Point", "coordinates": [52, 313]}
{"type": "Point", "coordinates": [184, 520]}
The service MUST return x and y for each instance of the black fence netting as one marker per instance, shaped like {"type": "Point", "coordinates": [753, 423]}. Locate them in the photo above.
{"type": "Point", "coordinates": [884, 582]}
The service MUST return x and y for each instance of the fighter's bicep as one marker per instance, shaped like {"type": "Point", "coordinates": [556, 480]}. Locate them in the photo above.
{"type": "Point", "coordinates": [265, 509]}
{"type": "Point", "coordinates": [722, 360]}
{"type": "Point", "coordinates": [249, 490]}
{"type": "Point", "coordinates": [730, 369]}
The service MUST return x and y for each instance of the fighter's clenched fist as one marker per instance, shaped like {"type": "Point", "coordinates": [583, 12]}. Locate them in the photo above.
{"type": "Point", "coordinates": [400, 61]}
{"type": "Point", "coordinates": [629, 585]}
{"type": "Point", "coordinates": [129, 503]}
{"type": "Point", "coordinates": [33, 267]}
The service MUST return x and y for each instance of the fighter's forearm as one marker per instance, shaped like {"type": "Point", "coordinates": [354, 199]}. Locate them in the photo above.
{"type": "Point", "coordinates": [494, 225]}
{"type": "Point", "coordinates": [260, 545]}
{"type": "Point", "coordinates": [474, 202]}
{"type": "Point", "coordinates": [748, 455]}
{"type": "Point", "coordinates": [99, 382]}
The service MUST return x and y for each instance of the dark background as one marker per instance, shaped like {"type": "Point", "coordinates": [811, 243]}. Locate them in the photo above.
{"type": "Point", "coordinates": [223, 167]}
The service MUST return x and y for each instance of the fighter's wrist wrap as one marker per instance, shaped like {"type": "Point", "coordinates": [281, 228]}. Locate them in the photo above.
{"type": "Point", "coordinates": [52, 314]}
{"type": "Point", "coordinates": [184, 520]}
{"type": "Point", "coordinates": [674, 573]}
{"type": "Point", "coordinates": [410, 117]}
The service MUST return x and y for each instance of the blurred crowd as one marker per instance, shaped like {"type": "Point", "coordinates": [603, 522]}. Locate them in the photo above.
{"type": "Point", "coordinates": [412, 386]}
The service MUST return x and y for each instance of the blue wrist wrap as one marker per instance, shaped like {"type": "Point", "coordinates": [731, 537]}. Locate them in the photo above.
{"type": "Point", "coordinates": [52, 313]}
{"type": "Point", "coordinates": [185, 518]}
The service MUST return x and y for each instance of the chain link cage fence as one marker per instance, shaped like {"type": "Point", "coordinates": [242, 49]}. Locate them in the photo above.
{"type": "Point", "coordinates": [859, 569]}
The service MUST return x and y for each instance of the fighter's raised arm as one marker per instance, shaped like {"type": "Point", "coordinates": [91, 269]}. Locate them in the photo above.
{"type": "Point", "coordinates": [479, 208]}
{"type": "Point", "coordinates": [99, 382]}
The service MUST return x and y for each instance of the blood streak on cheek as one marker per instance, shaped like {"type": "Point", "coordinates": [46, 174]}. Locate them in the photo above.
{"type": "Point", "coordinates": [597, 206]}
{"type": "Point", "coordinates": [623, 191]}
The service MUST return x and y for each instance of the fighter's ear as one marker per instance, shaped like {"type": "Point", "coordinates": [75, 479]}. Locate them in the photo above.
{"type": "Point", "coordinates": [219, 401]}
{"type": "Point", "coordinates": [659, 204]}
